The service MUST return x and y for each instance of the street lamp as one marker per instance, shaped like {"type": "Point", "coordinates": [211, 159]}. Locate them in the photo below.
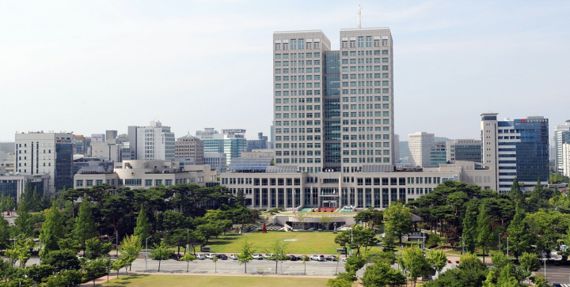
{"type": "Point", "coordinates": [146, 253]}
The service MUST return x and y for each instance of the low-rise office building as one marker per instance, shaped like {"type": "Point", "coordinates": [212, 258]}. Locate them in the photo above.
{"type": "Point", "coordinates": [14, 185]}
{"type": "Point", "coordinates": [146, 174]}
{"type": "Point", "coordinates": [289, 189]}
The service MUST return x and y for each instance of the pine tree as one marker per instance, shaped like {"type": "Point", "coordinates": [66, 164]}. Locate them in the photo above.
{"type": "Point", "coordinates": [484, 229]}
{"type": "Point", "coordinates": [24, 220]}
{"type": "Point", "coordinates": [516, 193]}
{"type": "Point", "coordinates": [518, 235]}
{"type": "Point", "coordinates": [52, 230]}
{"type": "Point", "coordinates": [142, 228]}
{"type": "Point", "coordinates": [469, 235]}
{"type": "Point", "coordinates": [84, 225]}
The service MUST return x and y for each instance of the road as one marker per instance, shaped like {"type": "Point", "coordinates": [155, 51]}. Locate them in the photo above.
{"type": "Point", "coordinates": [556, 274]}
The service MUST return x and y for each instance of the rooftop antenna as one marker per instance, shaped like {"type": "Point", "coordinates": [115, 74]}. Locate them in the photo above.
{"type": "Point", "coordinates": [359, 16]}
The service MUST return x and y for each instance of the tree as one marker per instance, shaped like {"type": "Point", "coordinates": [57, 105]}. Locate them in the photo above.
{"type": "Point", "coordinates": [188, 257]}
{"type": "Point", "coordinates": [95, 248]}
{"type": "Point", "coordinates": [62, 260]}
{"type": "Point", "coordinates": [414, 263]}
{"type": "Point", "coordinates": [130, 249]}
{"type": "Point", "coordinates": [246, 254]}
{"type": "Point", "coordinates": [547, 227]}
{"type": "Point", "coordinates": [20, 251]}
{"type": "Point", "coordinates": [84, 227]}
{"type": "Point", "coordinates": [397, 220]}
{"type": "Point", "coordinates": [518, 236]}
{"type": "Point", "coordinates": [65, 278]}
{"type": "Point", "coordinates": [93, 269]}
{"type": "Point", "coordinates": [381, 274]}
{"type": "Point", "coordinates": [23, 223]}
{"type": "Point", "coordinates": [4, 233]}
{"type": "Point", "coordinates": [516, 193]}
{"type": "Point", "coordinates": [470, 273]}
{"type": "Point", "coordinates": [142, 227]}
{"type": "Point", "coordinates": [160, 253]}
{"type": "Point", "coordinates": [356, 238]}
{"type": "Point", "coordinates": [437, 259]}
{"type": "Point", "coordinates": [484, 229]}
{"type": "Point", "coordinates": [528, 263]}
{"type": "Point", "coordinates": [469, 236]}
{"type": "Point", "coordinates": [370, 217]}
{"type": "Point", "coordinates": [278, 253]}
{"type": "Point", "coordinates": [52, 230]}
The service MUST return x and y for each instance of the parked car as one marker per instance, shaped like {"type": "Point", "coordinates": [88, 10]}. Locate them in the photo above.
{"type": "Point", "coordinates": [317, 258]}
{"type": "Point", "coordinates": [267, 256]}
{"type": "Point", "coordinates": [294, 258]}
{"type": "Point", "coordinates": [200, 256]}
{"type": "Point", "coordinates": [210, 255]}
{"type": "Point", "coordinates": [257, 256]}
{"type": "Point", "coordinates": [233, 257]}
{"type": "Point", "coordinates": [222, 256]}
{"type": "Point", "coordinates": [331, 258]}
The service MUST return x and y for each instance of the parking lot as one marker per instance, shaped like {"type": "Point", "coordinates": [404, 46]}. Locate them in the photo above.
{"type": "Point", "coordinates": [256, 266]}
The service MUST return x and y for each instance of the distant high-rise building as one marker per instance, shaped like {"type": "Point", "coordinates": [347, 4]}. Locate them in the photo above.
{"type": "Point", "coordinates": [333, 110]}
{"type": "Point", "coordinates": [561, 136]}
{"type": "Point", "coordinates": [39, 153]}
{"type": "Point", "coordinates": [515, 149]}
{"type": "Point", "coordinates": [463, 149]}
{"type": "Point", "coordinates": [108, 149]}
{"type": "Point", "coordinates": [438, 154]}
{"type": "Point", "coordinates": [153, 142]}
{"type": "Point", "coordinates": [231, 142]}
{"type": "Point", "coordinates": [189, 150]}
{"type": "Point", "coordinates": [260, 143]}
{"type": "Point", "coordinates": [421, 144]}
{"type": "Point", "coordinates": [216, 160]}
{"type": "Point", "coordinates": [566, 159]}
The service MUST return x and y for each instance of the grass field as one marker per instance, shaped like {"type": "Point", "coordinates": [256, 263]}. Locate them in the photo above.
{"type": "Point", "coordinates": [213, 281]}
{"type": "Point", "coordinates": [296, 242]}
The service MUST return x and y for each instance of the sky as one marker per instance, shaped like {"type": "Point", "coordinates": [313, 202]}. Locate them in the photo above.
{"type": "Point", "coordinates": [88, 66]}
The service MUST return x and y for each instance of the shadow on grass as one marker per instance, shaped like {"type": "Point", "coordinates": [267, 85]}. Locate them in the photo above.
{"type": "Point", "coordinates": [124, 280]}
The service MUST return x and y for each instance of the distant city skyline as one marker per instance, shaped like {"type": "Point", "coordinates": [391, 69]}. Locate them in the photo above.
{"type": "Point", "coordinates": [86, 67]}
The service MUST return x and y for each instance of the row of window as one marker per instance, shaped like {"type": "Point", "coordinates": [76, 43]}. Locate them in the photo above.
{"type": "Point", "coordinates": [293, 56]}
{"type": "Point", "coordinates": [297, 44]}
{"type": "Point", "coordinates": [364, 42]}
{"type": "Point", "coordinates": [130, 182]}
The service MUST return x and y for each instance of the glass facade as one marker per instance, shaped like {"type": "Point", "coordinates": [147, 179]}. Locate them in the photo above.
{"type": "Point", "coordinates": [63, 166]}
{"type": "Point", "coordinates": [332, 111]}
{"type": "Point", "coordinates": [532, 150]}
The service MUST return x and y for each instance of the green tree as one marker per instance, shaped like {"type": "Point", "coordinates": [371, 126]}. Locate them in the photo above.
{"type": "Point", "coordinates": [62, 260]}
{"type": "Point", "coordinates": [95, 248]}
{"type": "Point", "coordinates": [246, 254]}
{"type": "Point", "coordinates": [370, 217]}
{"type": "Point", "coordinates": [397, 220]}
{"type": "Point", "coordinates": [547, 227]}
{"type": "Point", "coordinates": [516, 193]}
{"type": "Point", "coordinates": [142, 227]}
{"type": "Point", "coordinates": [278, 252]}
{"type": "Point", "coordinates": [414, 263]}
{"type": "Point", "coordinates": [528, 263]}
{"type": "Point", "coordinates": [4, 233]}
{"type": "Point", "coordinates": [188, 257]}
{"type": "Point", "coordinates": [518, 236]}
{"type": "Point", "coordinates": [130, 249]}
{"type": "Point", "coordinates": [65, 278]}
{"type": "Point", "coordinates": [469, 236]}
{"type": "Point", "coordinates": [52, 230]}
{"type": "Point", "coordinates": [484, 229]}
{"type": "Point", "coordinates": [93, 269]}
{"type": "Point", "coordinates": [437, 259]}
{"type": "Point", "coordinates": [469, 273]}
{"type": "Point", "coordinates": [20, 251]}
{"type": "Point", "coordinates": [84, 225]}
{"type": "Point", "coordinates": [24, 223]}
{"type": "Point", "coordinates": [381, 274]}
{"type": "Point", "coordinates": [160, 252]}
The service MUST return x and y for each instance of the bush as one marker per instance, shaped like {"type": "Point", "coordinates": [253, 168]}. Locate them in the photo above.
{"type": "Point", "coordinates": [62, 260]}
{"type": "Point", "coordinates": [433, 240]}
{"type": "Point", "coordinates": [66, 278]}
{"type": "Point", "coordinates": [354, 263]}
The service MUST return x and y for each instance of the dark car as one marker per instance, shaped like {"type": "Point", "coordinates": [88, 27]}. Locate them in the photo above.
{"type": "Point", "coordinates": [222, 256]}
{"type": "Point", "coordinates": [331, 258]}
{"type": "Point", "coordinates": [294, 258]}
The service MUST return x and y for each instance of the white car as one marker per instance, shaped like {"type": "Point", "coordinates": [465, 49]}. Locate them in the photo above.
{"type": "Point", "coordinates": [233, 257]}
{"type": "Point", "coordinates": [257, 256]}
{"type": "Point", "coordinates": [200, 256]}
{"type": "Point", "coordinates": [318, 257]}
{"type": "Point", "coordinates": [210, 255]}
{"type": "Point", "coordinates": [267, 256]}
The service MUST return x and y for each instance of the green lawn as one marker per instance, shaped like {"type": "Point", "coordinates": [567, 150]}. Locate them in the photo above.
{"type": "Point", "coordinates": [296, 242]}
{"type": "Point", "coordinates": [213, 281]}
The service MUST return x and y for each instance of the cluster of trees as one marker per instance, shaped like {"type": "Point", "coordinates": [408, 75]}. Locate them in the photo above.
{"type": "Point", "coordinates": [87, 221]}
